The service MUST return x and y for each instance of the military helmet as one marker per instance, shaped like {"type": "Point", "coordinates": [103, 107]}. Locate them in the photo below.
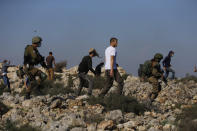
{"type": "Point", "coordinates": [158, 56]}
{"type": "Point", "coordinates": [36, 40]}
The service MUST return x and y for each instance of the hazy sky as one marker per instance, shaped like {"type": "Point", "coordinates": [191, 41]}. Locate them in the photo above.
{"type": "Point", "coordinates": [70, 27]}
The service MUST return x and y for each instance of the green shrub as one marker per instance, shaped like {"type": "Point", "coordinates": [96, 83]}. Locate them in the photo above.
{"type": "Point", "coordinates": [58, 77]}
{"type": "Point", "coordinates": [96, 118]}
{"type": "Point", "coordinates": [60, 65]}
{"type": "Point", "coordinates": [51, 88]}
{"type": "Point", "coordinates": [12, 126]}
{"type": "Point", "coordinates": [124, 76]}
{"type": "Point", "coordinates": [3, 109]}
{"type": "Point", "coordinates": [99, 82]}
{"type": "Point", "coordinates": [2, 88]}
{"type": "Point", "coordinates": [187, 78]}
{"type": "Point", "coordinates": [185, 121]}
{"type": "Point", "coordinates": [114, 101]}
{"type": "Point", "coordinates": [70, 81]}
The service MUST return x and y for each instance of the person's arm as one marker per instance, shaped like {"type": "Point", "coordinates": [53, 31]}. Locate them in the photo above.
{"type": "Point", "coordinates": [156, 70]}
{"type": "Point", "coordinates": [112, 60]}
{"type": "Point", "coordinates": [195, 69]}
{"type": "Point", "coordinates": [112, 66]}
{"type": "Point", "coordinates": [156, 73]}
{"type": "Point", "coordinates": [90, 66]}
{"type": "Point", "coordinates": [46, 61]}
{"type": "Point", "coordinates": [54, 61]}
{"type": "Point", "coordinates": [164, 61]}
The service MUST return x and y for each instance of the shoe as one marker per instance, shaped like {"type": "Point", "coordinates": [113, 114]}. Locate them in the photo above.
{"type": "Point", "coordinates": [27, 96]}
{"type": "Point", "coordinates": [9, 90]}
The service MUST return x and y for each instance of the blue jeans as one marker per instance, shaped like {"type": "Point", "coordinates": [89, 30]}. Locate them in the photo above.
{"type": "Point", "coordinates": [6, 81]}
{"type": "Point", "coordinates": [168, 70]}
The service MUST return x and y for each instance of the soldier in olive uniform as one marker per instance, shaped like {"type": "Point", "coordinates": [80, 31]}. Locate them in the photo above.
{"type": "Point", "coordinates": [32, 58]}
{"type": "Point", "coordinates": [156, 74]}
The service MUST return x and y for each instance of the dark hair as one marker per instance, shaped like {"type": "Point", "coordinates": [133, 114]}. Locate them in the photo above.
{"type": "Point", "coordinates": [91, 52]}
{"type": "Point", "coordinates": [50, 53]}
{"type": "Point", "coordinates": [4, 61]}
{"type": "Point", "coordinates": [171, 52]}
{"type": "Point", "coordinates": [113, 39]}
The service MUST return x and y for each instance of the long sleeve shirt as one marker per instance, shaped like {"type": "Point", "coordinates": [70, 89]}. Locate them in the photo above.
{"type": "Point", "coordinates": [86, 65]}
{"type": "Point", "coordinates": [5, 68]}
{"type": "Point", "coordinates": [166, 62]}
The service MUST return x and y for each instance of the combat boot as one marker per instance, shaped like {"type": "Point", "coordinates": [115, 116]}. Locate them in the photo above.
{"type": "Point", "coordinates": [27, 96]}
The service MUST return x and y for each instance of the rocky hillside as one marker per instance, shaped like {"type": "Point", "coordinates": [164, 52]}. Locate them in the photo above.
{"type": "Point", "coordinates": [58, 109]}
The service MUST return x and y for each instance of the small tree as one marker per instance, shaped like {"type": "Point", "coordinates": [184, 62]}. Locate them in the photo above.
{"type": "Point", "coordinates": [60, 66]}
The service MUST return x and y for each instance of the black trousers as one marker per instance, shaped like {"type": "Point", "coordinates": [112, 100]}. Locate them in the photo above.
{"type": "Point", "coordinates": [85, 81]}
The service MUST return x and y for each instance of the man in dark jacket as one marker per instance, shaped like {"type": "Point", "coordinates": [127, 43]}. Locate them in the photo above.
{"type": "Point", "coordinates": [167, 65]}
{"type": "Point", "coordinates": [84, 67]}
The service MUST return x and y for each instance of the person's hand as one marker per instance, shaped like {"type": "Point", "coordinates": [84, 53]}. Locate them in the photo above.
{"type": "Point", "coordinates": [195, 69]}
{"type": "Point", "coordinates": [112, 73]}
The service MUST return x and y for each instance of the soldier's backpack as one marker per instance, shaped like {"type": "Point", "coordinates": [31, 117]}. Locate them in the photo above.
{"type": "Point", "coordinates": [28, 59]}
{"type": "Point", "coordinates": [145, 70]}
{"type": "Point", "coordinates": [20, 73]}
{"type": "Point", "coordinates": [0, 75]}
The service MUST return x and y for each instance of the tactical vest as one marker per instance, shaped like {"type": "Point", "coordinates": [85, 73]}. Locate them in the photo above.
{"type": "Point", "coordinates": [31, 56]}
{"type": "Point", "coordinates": [145, 70]}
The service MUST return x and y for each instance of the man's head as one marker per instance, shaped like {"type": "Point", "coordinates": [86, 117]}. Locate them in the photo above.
{"type": "Point", "coordinates": [93, 52]}
{"type": "Point", "coordinates": [171, 53]}
{"type": "Point", "coordinates": [114, 42]}
{"type": "Point", "coordinates": [50, 53]}
{"type": "Point", "coordinates": [158, 57]}
{"type": "Point", "coordinates": [36, 41]}
{"type": "Point", "coordinates": [5, 61]}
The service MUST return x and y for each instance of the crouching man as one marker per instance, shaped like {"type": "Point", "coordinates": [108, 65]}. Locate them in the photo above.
{"type": "Point", "coordinates": [83, 69]}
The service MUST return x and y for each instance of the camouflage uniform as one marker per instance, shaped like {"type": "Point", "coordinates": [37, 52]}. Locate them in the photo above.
{"type": "Point", "coordinates": [155, 76]}
{"type": "Point", "coordinates": [31, 58]}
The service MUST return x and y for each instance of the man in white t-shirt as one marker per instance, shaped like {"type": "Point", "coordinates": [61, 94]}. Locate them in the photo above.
{"type": "Point", "coordinates": [111, 71]}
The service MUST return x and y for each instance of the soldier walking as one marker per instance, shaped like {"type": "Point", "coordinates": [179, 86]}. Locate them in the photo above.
{"type": "Point", "coordinates": [32, 57]}
{"type": "Point", "coordinates": [157, 74]}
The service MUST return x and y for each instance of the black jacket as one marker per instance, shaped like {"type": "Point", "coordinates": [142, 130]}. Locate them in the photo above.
{"type": "Point", "coordinates": [167, 61]}
{"type": "Point", "coordinates": [86, 65]}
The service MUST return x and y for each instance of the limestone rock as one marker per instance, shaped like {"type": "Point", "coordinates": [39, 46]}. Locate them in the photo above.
{"type": "Point", "coordinates": [106, 125]}
{"type": "Point", "coordinates": [115, 115]}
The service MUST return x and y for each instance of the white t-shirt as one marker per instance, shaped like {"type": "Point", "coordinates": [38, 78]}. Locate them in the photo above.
{"type": "Point", "coordinates": [110, 51]}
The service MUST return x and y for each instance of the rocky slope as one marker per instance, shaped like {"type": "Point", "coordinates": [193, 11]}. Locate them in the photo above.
{"type": "Point", "coordinates": [65, 112]}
